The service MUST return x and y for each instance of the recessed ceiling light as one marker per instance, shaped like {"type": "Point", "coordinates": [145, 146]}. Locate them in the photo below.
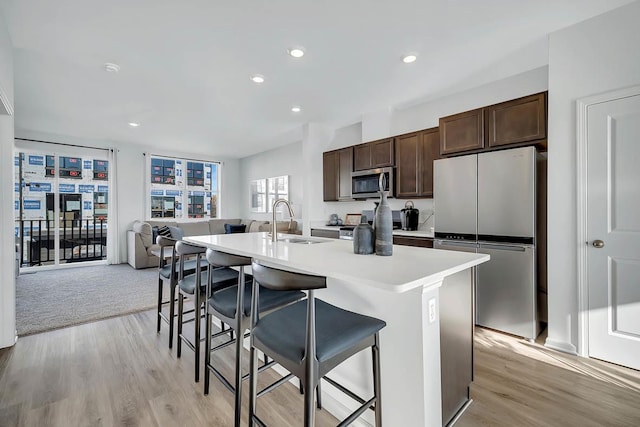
{"type": "Point", "coordinates": [257, 78]}
{"type": "Point", "coordinates": [296, 109]}
{"type": "Point", "coordinates": [134, 124]}
{"type": "Point", "coordinates": [296, 52]}
{"type": "Point", "coordinates": [408, 59]}
{"type": "Point", "coordinates": [111, 67]}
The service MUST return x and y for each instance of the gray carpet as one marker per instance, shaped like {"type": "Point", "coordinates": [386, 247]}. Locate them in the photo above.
{"type": "Point", "coordinates": [54, 299]}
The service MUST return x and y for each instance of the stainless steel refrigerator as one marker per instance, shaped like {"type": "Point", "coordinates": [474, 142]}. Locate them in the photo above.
{"type": "Point", "coordinates": [487, 203]}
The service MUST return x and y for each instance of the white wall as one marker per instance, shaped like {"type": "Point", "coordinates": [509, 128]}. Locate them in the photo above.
{"type": "Point", "coordinates": [131, 179]}
{"type": "Point", "coordinates": [7, 241]}
{"type": "Point", "coordinates": [6, 66]}
{"type": "Point", "coordinates": [591, 57]}
{"type": "Point", "coordinates": [285, 160]}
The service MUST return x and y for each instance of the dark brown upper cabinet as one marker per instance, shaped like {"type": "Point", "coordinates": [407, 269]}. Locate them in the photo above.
{"type": "Point", "coordinates": [415, 153]}
{"type": "Point", "coordinates": [337, 166]}
{"type": "Point", "coordinates": [371, 155]}
{"type": "Point", "coordinates": [519, 121]}
{"type": "Point", "coordinates": [330, 176]}
{"type": "Point", "coordinates": [462, 132]}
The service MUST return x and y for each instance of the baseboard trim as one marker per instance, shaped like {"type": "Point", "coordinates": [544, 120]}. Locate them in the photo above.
{"type": "Point", "coordinates": [562, 346]}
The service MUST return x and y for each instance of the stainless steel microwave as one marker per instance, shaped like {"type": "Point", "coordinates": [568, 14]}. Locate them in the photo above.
{"type": "Point", "coordinates": [365, 184]}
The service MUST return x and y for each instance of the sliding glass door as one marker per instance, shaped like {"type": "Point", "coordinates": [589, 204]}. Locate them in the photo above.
{"type": "Point", "coordinates": [61, 205]}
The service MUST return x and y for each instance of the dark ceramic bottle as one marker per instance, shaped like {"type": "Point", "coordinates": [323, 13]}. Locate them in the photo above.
{"type": "Point", "coordinates": [363, 237]}
{"type": "Point", "coordinates": [384, 223]}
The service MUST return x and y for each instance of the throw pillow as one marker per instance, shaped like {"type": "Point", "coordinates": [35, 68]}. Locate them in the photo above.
{"type": "Point", "coordinates": [176, 233]}
{"type": "Point", "coordinates": [234, 228]}
{"type": "Point", "coordinates": [164, 231]}
{"type": "Point", "coordinates": [154, 232]}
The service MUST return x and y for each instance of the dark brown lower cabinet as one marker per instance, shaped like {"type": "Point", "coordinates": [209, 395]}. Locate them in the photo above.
{"type": "Point", "coordinates": [331, 234]}
{"type": "Point", "coordinates": [421, 242]}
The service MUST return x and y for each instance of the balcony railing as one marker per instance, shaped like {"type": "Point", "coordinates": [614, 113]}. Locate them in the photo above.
{"type": "Point", "coordinates": [80, 240]}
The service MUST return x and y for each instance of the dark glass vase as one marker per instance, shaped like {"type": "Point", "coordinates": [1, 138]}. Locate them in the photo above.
{"type": "Point", "coordinates": [363, 238]}
{"type": "Point", "coordinates": [384, 224]}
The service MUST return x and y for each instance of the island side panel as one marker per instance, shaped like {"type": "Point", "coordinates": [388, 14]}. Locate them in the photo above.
{"type": "Point", "coordinates": [456, 342]}
{"type": "Point", "coordinates": [409, 356]}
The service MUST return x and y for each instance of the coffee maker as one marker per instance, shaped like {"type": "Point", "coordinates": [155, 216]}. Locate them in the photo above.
{"type": "Point", "coordinates": [409, 217]}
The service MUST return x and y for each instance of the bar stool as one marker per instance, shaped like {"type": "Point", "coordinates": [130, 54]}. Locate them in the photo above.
{"type": "Point", "coordinates": [168, 263]}
{"type": "Point", "coordinates": [233, 307]}
{"type": "Point", "coordinates": [194, 286]}
{"type": "Point", "coordinates": [309, 339]}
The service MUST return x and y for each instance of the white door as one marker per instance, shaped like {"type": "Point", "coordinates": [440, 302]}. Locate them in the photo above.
{"type": "Point", "coordinates": [613, 230]}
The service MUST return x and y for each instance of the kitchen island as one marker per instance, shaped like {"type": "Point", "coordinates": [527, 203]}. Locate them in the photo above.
{"type": "Point", "coordinates": [404, 290]}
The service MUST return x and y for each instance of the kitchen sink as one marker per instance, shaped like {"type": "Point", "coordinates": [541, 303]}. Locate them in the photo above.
{"type": "Point", "coordinates": [302, 241]}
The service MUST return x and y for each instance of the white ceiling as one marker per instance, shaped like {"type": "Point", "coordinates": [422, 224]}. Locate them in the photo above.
{"type": "Point", "coordinates": [185, 65]}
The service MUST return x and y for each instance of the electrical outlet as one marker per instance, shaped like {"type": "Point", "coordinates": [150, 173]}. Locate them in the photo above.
{"type": "Point", "coordinates": [432, 310]}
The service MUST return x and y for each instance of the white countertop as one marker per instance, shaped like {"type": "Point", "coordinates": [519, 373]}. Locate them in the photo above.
{"type": "Point", "coordinates": [417, 233]}
{"type": "Point", "coordinates": [408, 267]}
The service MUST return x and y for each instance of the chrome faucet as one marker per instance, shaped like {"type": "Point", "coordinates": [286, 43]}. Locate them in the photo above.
{"type": "Point", "coordinates": [274, 232]}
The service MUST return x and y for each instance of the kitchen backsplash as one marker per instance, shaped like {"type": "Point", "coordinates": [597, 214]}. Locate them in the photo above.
{"type": "Point", "coordinates": [425, 206]}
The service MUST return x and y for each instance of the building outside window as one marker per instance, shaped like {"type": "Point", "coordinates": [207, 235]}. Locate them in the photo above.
{"type": "Point", "coordinates": [181, 188]}
{"type": "Point", "coordinates": [61, 206]}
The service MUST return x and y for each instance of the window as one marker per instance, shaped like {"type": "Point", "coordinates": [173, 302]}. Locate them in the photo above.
{"type": "Point", "coordinates": [171, 196]}
{"type": "Point", "coordinates": [259, 195]}
{"type": "Point", "coordinates": [278, 189]}
{"type": "Point", "coordinates": [264, 192]}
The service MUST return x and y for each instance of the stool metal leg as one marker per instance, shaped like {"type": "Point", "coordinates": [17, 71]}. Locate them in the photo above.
{"type": "Point", "coordinates": [375, 354]}
{"type": "Point", "coordinates": [253, 383]}
{"type": "Point", "coordinates": [309, 407]}
{"type": "Point", "coordinates": [180, 309]}
{"type": "Point", "coordinates": [172, 310]}
{"type": "Point", "coordinates": [159, 303]}
{"type": "Point", "coordinates": [207, 348]}
{"type": "Point", "coordinates": [238, 385]}
{"type": "Point", "coordinates": [196, 344]}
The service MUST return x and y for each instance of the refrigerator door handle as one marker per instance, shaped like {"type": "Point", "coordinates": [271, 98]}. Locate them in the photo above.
{"type": "Point", "coordinates": [461, 244]}
{"type": "Point", "coordinates": [503, 247]}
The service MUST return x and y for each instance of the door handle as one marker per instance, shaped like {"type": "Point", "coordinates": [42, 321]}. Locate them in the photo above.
{"type": "Point", "coordinates": [598, 244]}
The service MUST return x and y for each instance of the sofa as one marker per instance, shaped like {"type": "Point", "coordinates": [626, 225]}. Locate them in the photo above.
{"type": "Point", "coordinates": [141, 242]}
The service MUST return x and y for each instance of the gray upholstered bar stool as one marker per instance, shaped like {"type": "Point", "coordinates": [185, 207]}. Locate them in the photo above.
{"type": "Point", "coordinates": [194, 286]}
{"type": "Point", "coordinates": [309, 339]}
{"type": "Point", "coordinates": [233, 307]}
{"type": "Point", "coordinates": [168, 264]}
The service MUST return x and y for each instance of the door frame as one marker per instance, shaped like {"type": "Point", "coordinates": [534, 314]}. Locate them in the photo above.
{"type": "Point", "coordinates": [583, 105]}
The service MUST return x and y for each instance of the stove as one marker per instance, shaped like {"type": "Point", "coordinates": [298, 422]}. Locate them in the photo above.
{"type": "Point", "coordinates": [346, 232]}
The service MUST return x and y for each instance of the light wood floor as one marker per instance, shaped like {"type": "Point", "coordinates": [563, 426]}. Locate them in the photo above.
{"type": "Point", "coordinates": [119, 372]}
{"type": "Point", "coordinates": [518, 383]}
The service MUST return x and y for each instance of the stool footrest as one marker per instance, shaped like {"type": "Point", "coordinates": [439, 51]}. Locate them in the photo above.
{"type": "Point", "coordinates": [351, 418]}
{"type": "Point", "coordinates": [275, 385]}
{"type": "Point", "coordinates": [222, 379]}
{"type": "Point", "coordinates": [187, 342]}
{"type": "Point", "coordinates": [258, 421]}
{"type": "Point", "coordinates": [348, 392]}
{"type": "Point", "coordinates": [226, 343]}
{"type": "Point", "coordinates": [226, 382]}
